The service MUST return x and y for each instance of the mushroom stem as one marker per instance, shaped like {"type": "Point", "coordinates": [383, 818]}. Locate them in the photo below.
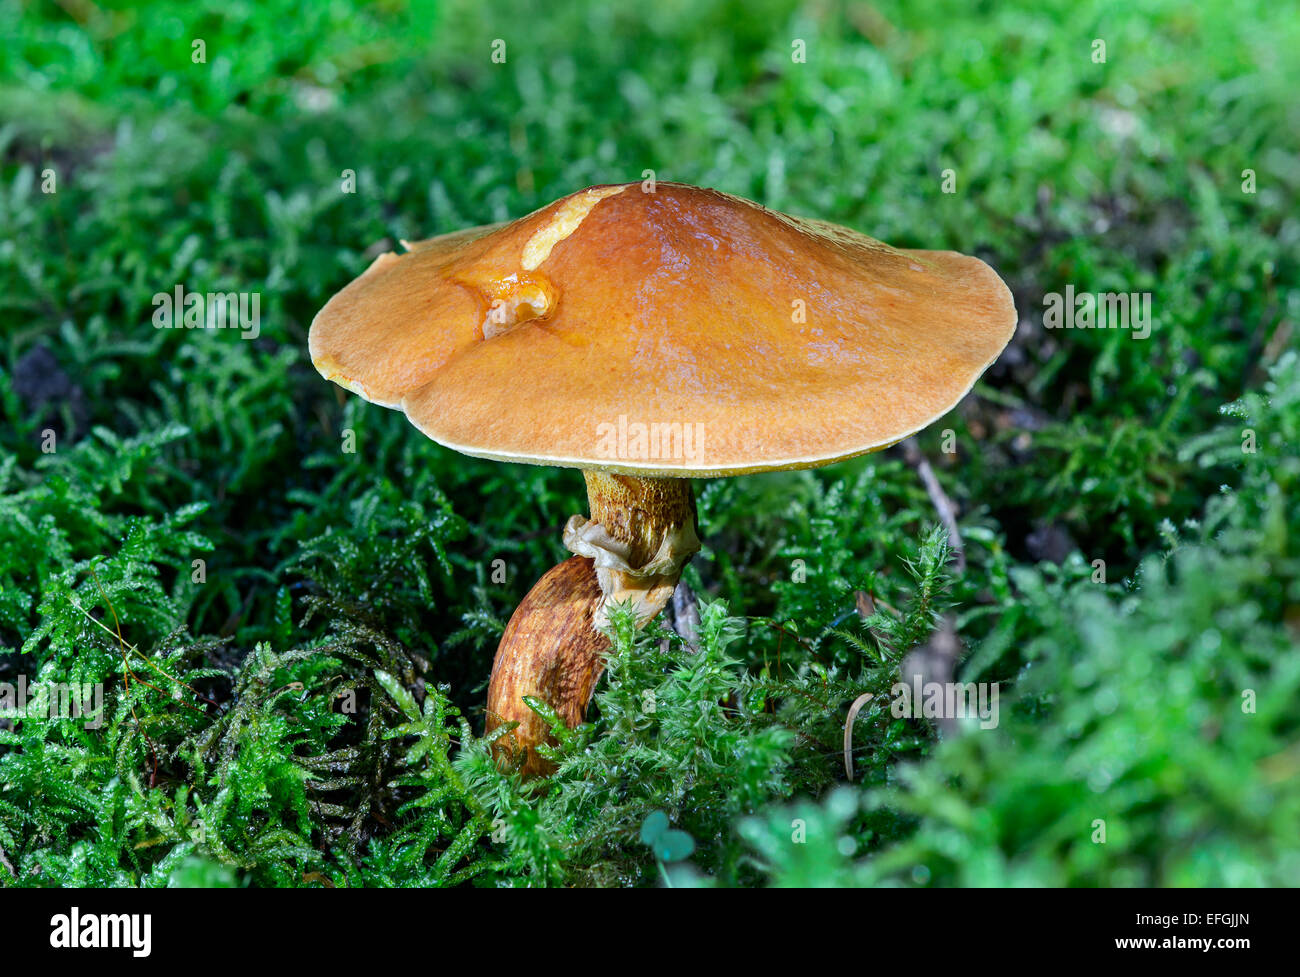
{"type": "Point", "coordinates": [641, 534]}
{"type": "Point", "coordinates": [551, 650]}
{"type": "Point", "coordinates": [633, 548]}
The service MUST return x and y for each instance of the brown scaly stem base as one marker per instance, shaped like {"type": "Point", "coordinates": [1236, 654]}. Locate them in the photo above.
{"type": "Point", "coordinates": [551, 650]}
{"type": "Point", "coordinates": [640, 535]}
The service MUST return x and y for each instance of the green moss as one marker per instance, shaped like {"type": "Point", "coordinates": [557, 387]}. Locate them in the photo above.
{"type": "Point", "coordinates": [306, 631]}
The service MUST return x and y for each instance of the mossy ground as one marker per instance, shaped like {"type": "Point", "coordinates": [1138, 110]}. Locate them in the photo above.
{"type": "Point", "coordinates": [308, 714]}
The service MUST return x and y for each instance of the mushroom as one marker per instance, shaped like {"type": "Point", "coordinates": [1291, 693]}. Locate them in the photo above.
{"type": "Point", "coordinates": [648, 337]}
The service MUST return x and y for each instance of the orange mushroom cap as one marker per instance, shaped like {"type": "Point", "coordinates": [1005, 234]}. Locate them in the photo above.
{"type": "Point", "coordinates": [678, 332]}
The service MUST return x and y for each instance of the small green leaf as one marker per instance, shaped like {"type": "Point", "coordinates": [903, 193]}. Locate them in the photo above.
{"type": "Point", "coordinates": [653, 827]}
{"type": "Point", "coordinates": [674, 846]}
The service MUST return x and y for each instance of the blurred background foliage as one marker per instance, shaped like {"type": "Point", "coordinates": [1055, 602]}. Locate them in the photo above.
{"type": "Point", "coordinates": [227, 758]}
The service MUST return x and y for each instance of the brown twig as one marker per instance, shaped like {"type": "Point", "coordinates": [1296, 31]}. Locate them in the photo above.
{"type": "Point", "coordinates": [943, 504]}
{"type": "Point", "coordinates": [685, 615]}
{"type": "Point", "coordinates": [936, 661]}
